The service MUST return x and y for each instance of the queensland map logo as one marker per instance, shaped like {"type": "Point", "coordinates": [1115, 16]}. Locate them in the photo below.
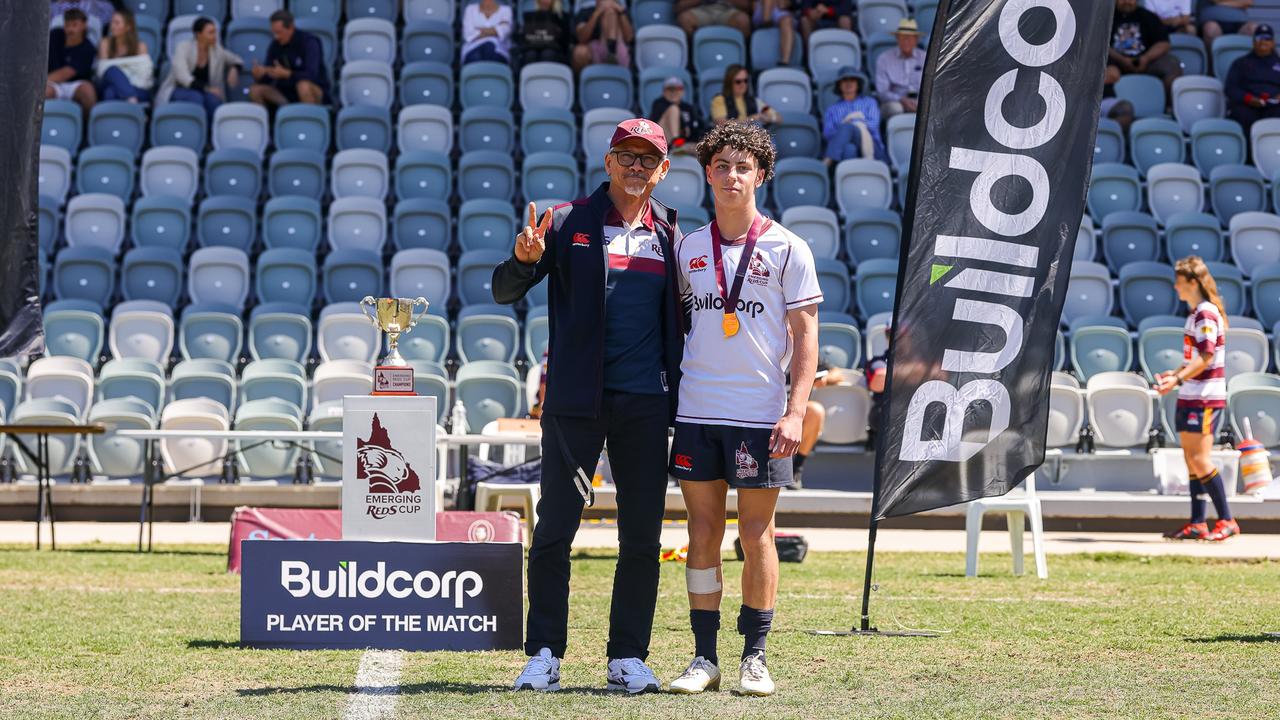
{"type": "Point", "coordinates": [393, 484]}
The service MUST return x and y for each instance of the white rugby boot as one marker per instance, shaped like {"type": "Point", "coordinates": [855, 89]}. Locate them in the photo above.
{"type": "Point", "coordinates": [542, 673]}
{"type": "Point", "coordinates": [702, 674]}
{"type": "Point", "coordinates": [753, 676]}
{"type": "Point", "coordinates": [631, 675]}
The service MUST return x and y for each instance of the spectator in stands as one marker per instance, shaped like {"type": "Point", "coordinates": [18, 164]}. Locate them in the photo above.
{"type": "Point", "coordinates": [295, 70]}
{"type": "Point", "coordinates": [1253, 84]}
{"type": "Point", "coordinates": [486, 32]}
{"type": "Point", "coordinates": [678, 118]}
{"type": "Point", "coordinates": [694, 14]}
{"type": "Point", "coordinates": [99, 10]}
{"type": "Point", "coordinates": [544, 34]}
{"type": "Point", "coordinates": [778, 12]}
{"type": "Point", "coordinates": [898, 73]}
{"type": "Point", "coordinates": [851, 126]}
{"type": "Point", "coordinates": [125, 69]}
{"type": "Point", "coordinates": [874, 374]}
{"type": "Point", "coordinates": [735, 101]}
{"type": "Point", "coordinates": [815, 417]}
{"type": "Point", "coordinates": [824, 14]}
{"type": "Point", "coordinates": [1175, 14]}
{"type": "Point", "coordinates": [202, 70]}
{"type": "Point", "coordinates": [1140, 45]}
{"type": "Point", "coordinates": [71, 62]}
{"type": "Point", "coordinates": [1224, 17]}
{"type": "Point", "coordinates": [604, 33]}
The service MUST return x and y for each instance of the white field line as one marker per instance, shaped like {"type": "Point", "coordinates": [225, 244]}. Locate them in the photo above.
{"type": "Point", "coordinates": [377, 686]}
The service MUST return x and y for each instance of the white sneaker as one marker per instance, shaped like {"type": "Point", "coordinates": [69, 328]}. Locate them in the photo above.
{"type": "Point", "coordinates": [702, 674]}
{"type": "Point", "coordinates": [632, 675]}
{"type": "Point", "coordinates": [753, 676]}
{"type": "Point", "coordinates": [542, 673]}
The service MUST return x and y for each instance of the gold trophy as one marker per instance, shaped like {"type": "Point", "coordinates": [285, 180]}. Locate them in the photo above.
{"type": "Point", "coordinates": [393, 316]}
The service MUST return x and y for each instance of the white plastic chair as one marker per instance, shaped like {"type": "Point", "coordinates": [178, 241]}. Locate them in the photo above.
{"type": "Point", "coordinates": [1018, 507]}
{"type": "Point", "coordinates": [490, 496]}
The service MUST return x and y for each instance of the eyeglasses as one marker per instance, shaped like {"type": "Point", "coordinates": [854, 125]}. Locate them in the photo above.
{"type": "Point", "coordinates": [628, 159]}
{"type": "Point", "coordinates": [740, 81]}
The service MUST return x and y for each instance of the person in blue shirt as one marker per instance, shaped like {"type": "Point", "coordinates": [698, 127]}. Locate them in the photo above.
{"type": "Point", "coordinates": [71, 57]}
{"type": "Point", "coordinates": [1253, 83]}
{"type": "Point", "coordinates": [851, 126]}
{"type": "Point", "coordinates": [294, 71]}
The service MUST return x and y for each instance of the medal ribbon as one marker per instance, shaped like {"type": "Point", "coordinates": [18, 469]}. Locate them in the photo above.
{"type": "Point", "coordinates": [730, 298]}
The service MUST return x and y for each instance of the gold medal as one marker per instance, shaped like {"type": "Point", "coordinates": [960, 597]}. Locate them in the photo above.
{"type": "Point", "coordinates": [730, 323]}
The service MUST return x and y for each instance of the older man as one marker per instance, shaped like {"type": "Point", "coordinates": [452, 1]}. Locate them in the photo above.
{"type": "Point", "coordinates": [294, 71]}
{"type": "Point", "coordinates": [1253, 83]}
{"type": "Point", "coordinates": [612, 370]}
{"type": "Point", "coordinates": [898, 72]}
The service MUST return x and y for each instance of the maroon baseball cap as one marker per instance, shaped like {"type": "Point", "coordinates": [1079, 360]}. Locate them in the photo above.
{"type": "Point", "coordinates": [647, 130]}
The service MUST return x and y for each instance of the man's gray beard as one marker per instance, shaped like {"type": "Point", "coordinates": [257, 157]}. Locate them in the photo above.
{"type": "Point", "coordinates": [627, 188]}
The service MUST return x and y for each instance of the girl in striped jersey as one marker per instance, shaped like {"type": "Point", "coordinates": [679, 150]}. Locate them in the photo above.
{"type": "Point", "coordinates": [1202, 398]}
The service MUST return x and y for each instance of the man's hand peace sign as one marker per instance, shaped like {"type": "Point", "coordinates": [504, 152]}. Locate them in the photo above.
{"type": "Point", "coordinates": [531, 242]}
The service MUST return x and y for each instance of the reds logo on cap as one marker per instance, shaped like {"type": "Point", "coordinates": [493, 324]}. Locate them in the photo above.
{"type": "Point", "coordinates": [642, 129]}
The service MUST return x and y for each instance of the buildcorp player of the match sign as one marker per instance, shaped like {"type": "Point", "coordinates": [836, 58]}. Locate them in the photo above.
{"type": "Point", "coordinates": [388, 468]}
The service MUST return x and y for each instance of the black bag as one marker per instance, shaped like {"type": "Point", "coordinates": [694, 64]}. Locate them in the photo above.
{"type": "Point", "coordinates": [791, 547]}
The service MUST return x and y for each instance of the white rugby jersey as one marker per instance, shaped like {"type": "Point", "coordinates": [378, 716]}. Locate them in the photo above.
{"type": "Point", "coordinates": [741, 380]}
{"type": "Point", "coordinates": [1203, 333]}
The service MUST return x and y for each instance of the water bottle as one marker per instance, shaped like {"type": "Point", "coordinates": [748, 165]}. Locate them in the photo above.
{"type": "Point", "coordinates": [458, 418]}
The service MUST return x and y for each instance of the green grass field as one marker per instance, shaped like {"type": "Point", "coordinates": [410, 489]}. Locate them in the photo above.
{"type": "Point", "coordinates": [99, 632]}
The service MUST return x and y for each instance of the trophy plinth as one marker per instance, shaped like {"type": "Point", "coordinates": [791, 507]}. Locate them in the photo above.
{"type": "Point", "coordinates": [394, 317]}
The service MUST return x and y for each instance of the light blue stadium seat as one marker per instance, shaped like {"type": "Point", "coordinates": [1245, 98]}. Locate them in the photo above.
{"type": "Point", "coordinates": [422, 223]}
{"type": "Point", "coordinates": [105, 169]}
{"type": "Point", "coordinates": [877, 282]}
{"type": "Point", "coordinates": [1216, 142]}
{"type": "Point", "coordinates": [707, 86]}
{"type": "Point", "coordinates": [274, 378]}
{"type": "Point", "coordinates": [112, 454]}
{"type": "Point", "coordinates": [872, 233]}
{"type": "Point", "coordinates": [216, 9]}
{"type": "Point", "coordinates": [327, 33]}
{"type": "Point", "coordinates": [286, 275]}
{"type": "Point", "coordinates": [1247, 347]}
{"type": "Point", "coordinates": [118, 123]}
{"type": "Point", "coordinates": [862, 183]}
{"type": "Point", "coordinates": [1193, 234]}
{"type": "Point", "coordinates": [1129, 237]}
{"type": "Point", "coordinates": [1114, 187]}
{"type": "Point", "coordinates": [369, 39]}
{"type": "Point", "coordinates": [488, 332]}
{"type": "Point", "coordinates": [1088, 292]}
{"type": "Point", "coordinates": [486, 84]}
{"type": "Point", "coordinates": [817, 226]}
{"type": "Point", "coordinates": [55, 172]}
{"type": "Point", "coordinates": [74, 328]}
{"type": "Point", "coordinates": [350, 275]}
{"type": "Point", "coordinates": [1261, 405]}
{"type": "Point", "coordinates": [150, 33]}
{"type": "Point", "coordinates": [62, 448]}
{"type": "Point", "coordinates": [875, 45]}
{"type": "Point", "coordinates": [428, 41]}
{"type": "Point", "coordinates": [439, 10]}
{"type": "Point", "coordinates": [425, 127]}
{"type": "Point", "coordinates": [547, 129]}
{"type": "Point", "coordinates": [1255, 239]}
{"type": "Point", "coordinates": [839, 340]}
{"type": "Point", "coordinates": [161, 221]}
{"type": "Point", "coordinates": [95, 220]}
{"type": "Point", "coordinates": [547, 85]}
{"type": "Point", "coordinates": [48, 225]}
{"type": "Point", "coordinates": [227, 221]}
{"type": "Point", "coordinates": [660, 45]}
{"type": "Point", "coordinates": [249, 37]}
{"type": "Point", "coordinates": [1190, 52]}
{"type": "Point", "coordinates": [652, 12]}
{"type": "Point", "coordinates": [1226, 50]}
{"type": "Point", "coordinates": [360, 173]}
{"type": "Point", "coordinates": [604, 86]}
{"type": "Point", "coordinates": [367, 82]}
{"type": "Point", "coordinates": [152, 273]}
{"type": "Point", "coordinates": [692, 218]}
{"type": "Point", "coordinates": [684, 186]}
{"type": "Point", "coordinates": [345, 333]}
{"type": "Point", "coordinates": [297, 173]}
{"type": "Point", "coordinates": [1234, 189]}
{"type": "Point", "coordinates": [218, 275]}
{"type": "Point", "coordinates": [1155, 140]}
{"type": "Point", "coordinates": [141, 329]}
{"type": "Point", "coordinates": [363, 126]}
{"type": "Point", "coordinates": [234, 172]}
{"type": "Point", "coordinates": [299, 126]}
{"type": "Point", "coordinates": [1146, 289]}
{"type": "Point", "coordinates": [486, 224]}
{"type": "Point", "coordinates": [279, 330]}
{"type": "Point", "coordinates": [426, 82]}
{"type": "Point", "coordinates": [357, 223]}
{"type": "Point", "coordinates": [423, 175]}
{"type": "Point", "coordinates": [880, 15]}
{"type": "Point", "coordinates": [155, 9]}
{"type": "Point", "coordinates": [211, 331]}
{"type": "Point", "coordinates": [430, 379]}
{"type": "Point", "coordinates": [797, 135]}
{"type": "Point", "coordinates": [328, 11]}
{"type": "Point", "coordinates": [203, 378]}
{"type": "Point", "coordinates": [1160, 344]}
{"type": "Point", "coordinates": [716, 47]}
{"type": "Point", "coordinates": [290, 221]}
{"type": "Point", "coordinates": [800, 181]}
{"type": "Point", "coordinates": [766, 43]}
{"type": "Point", "coordinates": [1197, 97]}
{"type": "Point", "coordinates": [475, 275]}
{"type": "Point", "coordinates": [1145, 92]}
{"type": "Point", "coordinates": [597, 129]}
{"type": "Point", "coordinates": [1264, 141]}
{"type": "Point", "coordinates": [900, 136]}
{"type": "Point", "coordinates": [831, 49]}
{"type": "Point", "coordinates": [786, 90]}
{"type": "Point", "coordinates": [537, 333]}
{"type": "Point", "coordinates": [1086, 247]}
{"type": "Point", "coordinates": [1100, 344]}
{"type": "Point", "coordinates": [255, 8]}
{"type": "Point", "coordinates": [549, 175]}
{"type": "Point", "coordinates": [62, 125]}
{"type": "Point", "coordinates": [1231, 287]}
{"type": "Point", "coordinates": [1172, 189]}
{"type": "Point", "coordinates": [240, 125]}
{"type": "Point", "coordinates": [1109, 145]}
{"type": "Point", "coordinates": [488, 391]}
{"type": "Point", "coordinates": [170, 171]}
{"type": "Point", "coordinates": [269, 462]}
{"type": "Point", "coordinates": [651, 80]}
{"type": "Point", "coordinates": [380, 9]}
{"type": "Point", "coordinates": [430, 340]}
{"type": "Point", "coordinates": [1266, 293]}
{"type": "Point", "coordinates": [486, 174]}
{"type": "Point", "coordinates": [486, 128]}
{"type": "Point", "coordinates": [833, 279]}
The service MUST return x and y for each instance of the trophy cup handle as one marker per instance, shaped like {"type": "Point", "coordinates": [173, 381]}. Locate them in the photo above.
{"type": "Point", "coordinates": [425, 304]}
{"type": "Point", "coordinates": [367, 302]}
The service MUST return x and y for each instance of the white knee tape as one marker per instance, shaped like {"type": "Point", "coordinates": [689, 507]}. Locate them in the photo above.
{"type": "Point", "coordinates": [702, 581]}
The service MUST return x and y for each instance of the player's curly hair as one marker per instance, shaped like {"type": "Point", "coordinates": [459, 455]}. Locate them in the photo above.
{"type": "Point", "coordinates": [745, 136]}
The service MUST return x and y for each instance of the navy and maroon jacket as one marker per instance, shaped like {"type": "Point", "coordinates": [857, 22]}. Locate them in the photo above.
{"type": "Point", "coordinates": [576, 264]}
